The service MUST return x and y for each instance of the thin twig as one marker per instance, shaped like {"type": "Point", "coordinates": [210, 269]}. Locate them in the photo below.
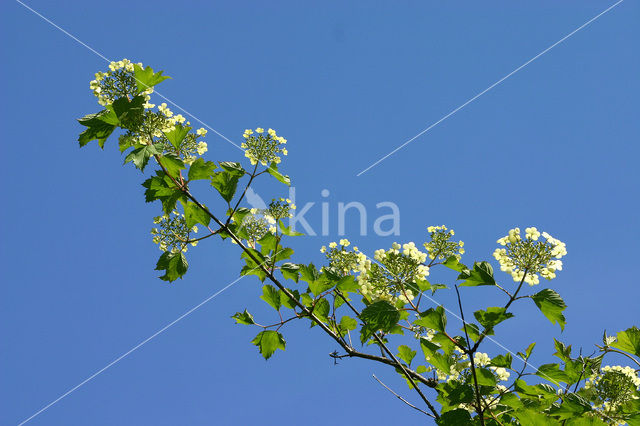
{"type": "Point", "coordinates": [471, 354]}
{"type": "Point", "coordinates": [402, 399]}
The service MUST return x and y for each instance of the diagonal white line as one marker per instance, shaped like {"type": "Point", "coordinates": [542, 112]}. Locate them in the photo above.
{"type": "Point", "coordinates": [124, 355]}
{"type": "Point", "coordinates": [490, 87]}
{"type": "Point", "coordinates": [108, 60]}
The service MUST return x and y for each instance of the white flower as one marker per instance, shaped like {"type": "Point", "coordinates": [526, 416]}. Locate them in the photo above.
{"type": "Point", "coordinates": [481, 359]}
{"type": "Point", "coordinates": [202, 148]}
{"type": "Point", "coordinates": [501, 373]}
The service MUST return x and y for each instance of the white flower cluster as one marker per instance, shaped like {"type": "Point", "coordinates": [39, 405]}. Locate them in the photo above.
{"type": "Point", "coordinates": [172, 234]}
{"type": "Point", "coordinates": [461, 369]}
{"type": "Point", "coordinates": [262, 221]}
{"type": "Point", "coordinates": [343, 261]}
{"type": "Point", "coordinates": [525, 258]}
{"type": "Point", "coordinates": [613, 387]}
{"type": "Point", "coordinates": [394, 274]}
{"type": "Point", "coordinates": [440, 246]}
{"type": "Point", "coordinates": [410, 259]}
{"type": "Point", "coordinates": [257, 225]}
{"type": "Point", "coordinates": [481, 359]}
{"type": "Point", "coordinates": [119, 81]}
{"type": "Point", "coordinates": [263, 148]}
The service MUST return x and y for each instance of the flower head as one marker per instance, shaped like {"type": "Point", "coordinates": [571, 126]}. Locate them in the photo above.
{"type": "Point", "coordinates": [525, 258]}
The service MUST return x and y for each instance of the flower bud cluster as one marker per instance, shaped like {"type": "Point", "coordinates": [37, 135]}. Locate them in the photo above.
{"type": "Point", "coordinates": [118, 82]}
{"type": "Point", "coordinates": [343, 261]}
{"type": "Point", "coordinates": [525, 258]}
{"type": "Point", "coordinates": [394, 274]}
{"type": "Point", "coordinates": [263, 221]}
{"type": "Point", "coordinates": [263, 148]}
{"type": "Point", "coordinates": [257, 225]}
{"type": "Point", "coordinates": [441, 246]}
{"type": "Point", "coordinates": [614, 385]}
{"type": "Point", "coordinates": [172, 233]}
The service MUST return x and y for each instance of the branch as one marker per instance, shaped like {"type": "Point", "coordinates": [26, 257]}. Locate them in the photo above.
{"type": "Point", "coordinates": [512, 298]}
{"type": "Point", "coordinates": [395, 363]}
{"type": "Point", "coordinates": [402, 399]}
{"type": "Point", "coordinates": [473, 366]}
{"type": "Point", "coordinates": [310, 314]}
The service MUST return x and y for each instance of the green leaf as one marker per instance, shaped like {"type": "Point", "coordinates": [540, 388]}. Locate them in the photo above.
{"type": "Point", "coordinates": [431, 354]}
{"type": "Point", "coordinates": [473, 331]}
{"type": "Point", "coordinates": [128, 113]}
{"type": "Point", "coordinates": [309, 273]}
{"type": "Point", "coordinates": [226, 184]}
{"type": "Point", "coordinates": [201, 169]}
{"type": "Point", "coordinates": [455, 417]}
{"type": "Point", "coordinates": [287, 230]}
{"type": "Point", "coordinates": [482, 274]}
{"type": "Point", "coordinates": [283, 253]}
{"type": "Point", "coordinates": [194, 214]}
{"type": "Point", "coordinates": [543, 391]}
{"type": "Point", "coordinates": [628, 341]}
{"type": "Point", "coordinates": [290, 271]}
{"type": "Point", "coordinates": [177, 135]}
{"type": "Point", "coordinates": [243, 318]}
{"type": "Point", "coordinates": [551, 305]}
{"type": "Point", "coordinates": [562, 351]}
{"type": "Point", "coordinates": [268, 341]}
{"type": "Point", "coordinates": [306, 300]}
{"type": "Point", "coordinates": [273, 171]}
{"type": "Point", "coordinates": [445, 343]}
{"type": "Point", "coordinates": [572, 406]}
{"type": "Point", "coordinates": [271, 295]}
{"type": "Point", "coordinates": [253, 268]}
{"type": "Point", "coordinates": [268, 243]}
{"type": "Point", "coordinates": [174, 264]}
{"type": "Point", "coordinates": [452, 394]}
{"type": "Point", "coordinates": [322, 309]}
{"type": "Point", "coordinates": [380, 315]}
{"type": "Point", "coordinates": [485, 377]}
{"type": "Point", "coordinates": [452, 262]}
{"type": "Point", "coordinates": [594, 421]}
{"type": "Point", "coordinates": [234, 168]}
{"type": "Point", "coordinates": [161, 187]}
{"type": "Point", "coordinates": [146, 78]}
{"type": "Point", "coordinates": [511, 400]}
{"type": "Point", "coordinates": [99, 127]}
{"type": "Point", "coordinates": [140, 156]}
{"type": "Point", "coordinates": [492, 317]}
{"type": "Point", "coordinates": [529, 349]}
{"type": "Point", "coordinates": [423, 285]}
{"type": "Point", "coordinates": [348, 323]}
{"type": "Point", "coordinates": [433, 318]}
{"type": "Point", "coordinates": [531, 417]}
{"type": "Point", "coordinates": [348, 284]}
{"type": "Point", "coordinates": [173, 165]}
{"type": "Point", "coordinates": [435, 287]}
{"type": "Point", "coordinates": [286, 301]}
{"type": "Point", "coordinates": [502, 361]}
{"type": "Point", "coordinates": [406, 354]}
{"type": "Point", "coordinates": [553, 373]}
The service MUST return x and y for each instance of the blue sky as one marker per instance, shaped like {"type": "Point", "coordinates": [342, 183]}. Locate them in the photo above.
{"type": "Point", "coordinates": [554, 146]}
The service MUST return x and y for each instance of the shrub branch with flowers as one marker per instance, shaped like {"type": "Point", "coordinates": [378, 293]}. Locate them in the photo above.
{"type": "Point", "coordinates": [373, 308]}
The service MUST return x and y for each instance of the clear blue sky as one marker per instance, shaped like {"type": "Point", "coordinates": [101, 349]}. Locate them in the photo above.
{"type": "Point", "coordinates": [555, 146]}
